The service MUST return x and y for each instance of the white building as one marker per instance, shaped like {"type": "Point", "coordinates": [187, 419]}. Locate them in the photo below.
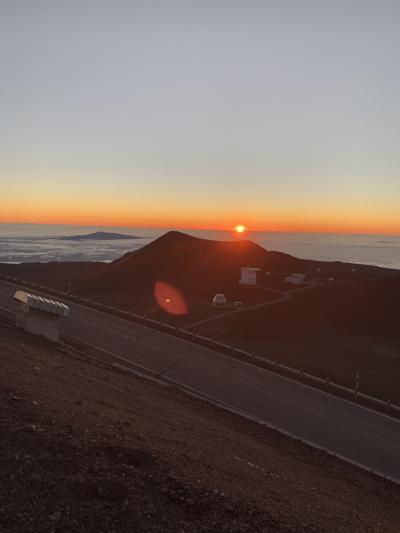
{"type": "Point", "coordinates": [39, 315]}
{"type": "Point", "coordinates": [295, 279]}
{"type": "Point", "coordinates": [248, 276]}
{"type": "Point", "coordinates": [219, 300]}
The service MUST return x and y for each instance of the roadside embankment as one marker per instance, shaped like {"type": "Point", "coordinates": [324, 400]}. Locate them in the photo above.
{"type": "Point", "coordinates": [84, 447]}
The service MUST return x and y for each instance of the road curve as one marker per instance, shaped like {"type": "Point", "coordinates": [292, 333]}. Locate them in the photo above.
{"type": "Point", "coordinates": [352, 431]}
{"type": "Point", "coordinates": [283, 297]}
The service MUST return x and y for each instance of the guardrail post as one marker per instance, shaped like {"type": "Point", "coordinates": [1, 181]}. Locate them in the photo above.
{"type": "Point", "coordinates": [301, 373]}
{"type": "Point", "coordinates": [232, 350]}
{"type": "Point", "coordinates": [356, 385]}
{"type": "Point", "coordinates": [254, 356]}
{"type": "Point", "coordinates": [327, 382]}
{"type": "Point", "coordinates": [388, 405]}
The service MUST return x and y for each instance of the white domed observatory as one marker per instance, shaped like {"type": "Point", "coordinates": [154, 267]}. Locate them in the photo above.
{"type": "Point", "coordinates": [219, 300]}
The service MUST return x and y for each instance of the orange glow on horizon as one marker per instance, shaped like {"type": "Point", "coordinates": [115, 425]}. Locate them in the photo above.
{"type": "Point", "coordinates": [101, 215]}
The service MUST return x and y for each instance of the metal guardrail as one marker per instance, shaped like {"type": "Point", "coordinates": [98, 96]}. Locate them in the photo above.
{"type": "Point", "coordinates": [191, 336]}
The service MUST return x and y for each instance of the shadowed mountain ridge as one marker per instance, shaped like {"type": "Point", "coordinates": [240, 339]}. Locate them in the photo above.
{"type": "Point", "coordinates": [192, 262]}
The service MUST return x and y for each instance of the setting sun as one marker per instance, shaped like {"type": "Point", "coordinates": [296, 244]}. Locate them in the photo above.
{"type": "Point", "coordinates": [240, 228]}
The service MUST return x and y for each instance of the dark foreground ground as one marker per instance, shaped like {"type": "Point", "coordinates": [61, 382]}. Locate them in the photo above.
{"type": "Point", "coordinates": [87, 448]}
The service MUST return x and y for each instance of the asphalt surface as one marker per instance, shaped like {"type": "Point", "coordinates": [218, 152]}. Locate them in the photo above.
{"type": "Point", "coordinates": [352, 431]}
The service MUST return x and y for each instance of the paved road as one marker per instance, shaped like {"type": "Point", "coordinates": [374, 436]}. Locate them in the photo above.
{"type": "Point", "coordinates": [359, 434]}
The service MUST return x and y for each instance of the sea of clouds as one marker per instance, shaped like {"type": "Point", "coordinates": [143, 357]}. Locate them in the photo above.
{"type": "Point", "coordinates": [22, 243]}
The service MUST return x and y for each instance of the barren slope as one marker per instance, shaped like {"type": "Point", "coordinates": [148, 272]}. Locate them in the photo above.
{"type": "Point", "coordinates": [88, 448]}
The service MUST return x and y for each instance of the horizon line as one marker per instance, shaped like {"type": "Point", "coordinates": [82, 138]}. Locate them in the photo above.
{"type": "Point", "coordinates": [208, 228]}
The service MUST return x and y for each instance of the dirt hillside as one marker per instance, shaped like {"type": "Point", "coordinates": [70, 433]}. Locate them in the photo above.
{"type": "Point", "coordinates": [86, 448]}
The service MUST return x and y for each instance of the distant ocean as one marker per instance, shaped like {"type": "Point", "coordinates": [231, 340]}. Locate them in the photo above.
{"type": "Point", "coordinates": [21, 243]}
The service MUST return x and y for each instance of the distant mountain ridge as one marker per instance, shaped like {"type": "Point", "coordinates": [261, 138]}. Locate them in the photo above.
{"type": "Point", "coordinates": [97, 236]}
{"type": "Point", "coordinates": [201, 264]}
{"type": "Point", "coordinates": [362, 299]}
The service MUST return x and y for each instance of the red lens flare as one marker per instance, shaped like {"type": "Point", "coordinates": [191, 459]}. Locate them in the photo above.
{"type": "Point", "coordinates": [169, 299]}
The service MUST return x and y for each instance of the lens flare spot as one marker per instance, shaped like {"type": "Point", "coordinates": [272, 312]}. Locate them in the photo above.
{"type": "Point", "coordinates": [170, 299]}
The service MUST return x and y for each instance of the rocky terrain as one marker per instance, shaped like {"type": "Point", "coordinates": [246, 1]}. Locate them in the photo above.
{"type": "Point", "coordinates": [88, 448]}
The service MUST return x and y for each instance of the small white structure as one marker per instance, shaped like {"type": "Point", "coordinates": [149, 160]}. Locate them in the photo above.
{"type": "Point", "coordinates": [248, 275]}
{"type": "Point", "coordinates": [39, 315]}
{"type": "Point", "coordinates": [219, 300]}
{"type": "Point", "coordinates": [295, 279]}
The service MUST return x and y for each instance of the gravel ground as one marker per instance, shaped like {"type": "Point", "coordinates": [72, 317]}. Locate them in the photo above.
{"type": "Point", "coordinates": [84, 447]}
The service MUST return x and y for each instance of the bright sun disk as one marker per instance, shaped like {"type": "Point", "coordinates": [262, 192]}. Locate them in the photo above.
{"type": "Point", "coordinates": [240, 228]}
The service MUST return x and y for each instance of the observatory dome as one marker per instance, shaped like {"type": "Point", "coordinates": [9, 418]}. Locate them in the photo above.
{"type": "Point", "coordinates": [219, 300]}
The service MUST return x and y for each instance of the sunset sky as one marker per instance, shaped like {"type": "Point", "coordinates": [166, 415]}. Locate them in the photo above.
{"type": "Point", "coordinates": [281, 115]}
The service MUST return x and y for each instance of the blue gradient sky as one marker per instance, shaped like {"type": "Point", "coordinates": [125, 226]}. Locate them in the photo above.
{"type": "Point", "coordinates": [281, 115]}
